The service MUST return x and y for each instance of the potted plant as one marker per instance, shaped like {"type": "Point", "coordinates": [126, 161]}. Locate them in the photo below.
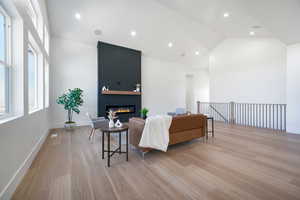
{"type": "Point", "coordinates": [144, 113]}
{"type": "Point", "coordinates": [72, 100]}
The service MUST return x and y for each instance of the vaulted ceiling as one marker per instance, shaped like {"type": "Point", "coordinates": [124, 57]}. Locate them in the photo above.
{"type": "Point", "coordinates": [276, 18]}
{"type": "Point", "coordinates": [191, 25]}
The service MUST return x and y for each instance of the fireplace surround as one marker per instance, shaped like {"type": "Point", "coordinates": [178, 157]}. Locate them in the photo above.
{"type": "Point", "coordinates": [119, 69]}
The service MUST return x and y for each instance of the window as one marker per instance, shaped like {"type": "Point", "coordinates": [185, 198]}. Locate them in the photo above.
{"type": "Point", "coordinates": [5, 63]}
{"type": "Point", "coordinates": [46, 39]}
{"type": "Point", "coordinates": [46, 84]}
{"type": "Point", "coordinates": [3, 91]}
{"type": "Point", "coordinates": [32, 13]}
{"type": "Point", "coordinates": [35, 14]}
{"type": "Point", "coordinates": [40, 28]}
{"type": "Point", "coordinates": [32, 79]}
{"type": "Point", "coordinates": [35, 75]}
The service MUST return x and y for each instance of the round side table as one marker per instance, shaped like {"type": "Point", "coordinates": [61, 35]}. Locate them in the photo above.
{"type": "Point", "coordinates": [108, 131]}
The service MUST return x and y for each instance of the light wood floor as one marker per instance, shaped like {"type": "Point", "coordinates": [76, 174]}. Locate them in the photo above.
{"type": "Point", "coordinates": [240, 163]}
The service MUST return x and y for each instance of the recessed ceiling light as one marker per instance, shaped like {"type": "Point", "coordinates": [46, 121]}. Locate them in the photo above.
{"type": "Point", "coordinates": [226, 15]}
{"type": "Point", "coordinates": [197, 53]}
{"type": "Point", "coordinates": [77, 16]}
{"type": "Point", "coordinates": [252, 33]}
{"type": "Point", "coordinates": [256, 27]}
{"type": "Point", "coordinates": [170, 44]}
{"type": "Point", "coordinates": [133, 33]}
{"type": "Point", "coordinates": [97, 32]}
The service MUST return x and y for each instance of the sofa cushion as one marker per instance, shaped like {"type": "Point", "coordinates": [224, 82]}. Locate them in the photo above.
{"type": "Point", "coordinates": [187, 122]}
{"type": "Point", "coordinates": [184, 136]}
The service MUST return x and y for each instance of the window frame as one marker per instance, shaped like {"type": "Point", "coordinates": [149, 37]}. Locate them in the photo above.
{"type": "Point", "coordinates": [35, 13]}
{"type": "Point", "coordinates": [7, 62]}
{"type": "Point", "coordinates": [36, 86]}
{"type": "Point", "coordinates": [46, 39]}
{"type": "Point", "coordinates": [47, 83]}
{"type": "Point", "coordinates": [32, 12]}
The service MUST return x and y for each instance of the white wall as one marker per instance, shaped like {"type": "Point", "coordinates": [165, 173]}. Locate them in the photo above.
{"type": "Point", "coordinates": [20, 140]}
{"type": "Point", "coordinates": [74, 64]}
{"type": "Point", "coordinates": [189, 92]}
{"type": "Point", "coordinates": [20, 137]}
{"type": "Point", "coordinates": [248, 70]}
{"type": "Point", "coordinates": [200, 86]}
{"type": "Point", "coordinates": [293, 89]}
{"type": "Point", "coordinates": [163, 85]}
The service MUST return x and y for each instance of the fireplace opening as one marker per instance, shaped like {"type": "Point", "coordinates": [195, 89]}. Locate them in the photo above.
{"type": "Point", "coordinates": [121, 109]}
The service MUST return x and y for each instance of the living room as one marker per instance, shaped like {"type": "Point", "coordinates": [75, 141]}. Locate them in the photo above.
{"type": "Point", "coordinates": [221, 76]}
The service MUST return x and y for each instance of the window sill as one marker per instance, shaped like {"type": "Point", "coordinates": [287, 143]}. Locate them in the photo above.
{"type": "Point", "coordinates": [35, 110]}
{"type": "Point", "coordinates": [9, 118]}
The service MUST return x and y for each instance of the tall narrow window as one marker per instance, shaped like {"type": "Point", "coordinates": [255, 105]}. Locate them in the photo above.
{"type": "Point", "coordinates": [46, 84]}
{"type": "Point", "coordinates": [32, 13]}
{"type": "Point", "coordinates": [32, 79]}
{"type": "Point", "coordinates": [3, 94]}
{"type": "Point", "coordinates": [46, 39]}
{"type": "Point", "coordinates": [4, 63]}
{"type": "Point", "coordinates": [2, 37]}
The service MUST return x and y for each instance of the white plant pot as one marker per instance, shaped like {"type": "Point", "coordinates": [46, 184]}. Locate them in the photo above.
{"type": "Point", "coordinates": [70, 125]}
{"type": "Point", "coordinates": [111, 123]}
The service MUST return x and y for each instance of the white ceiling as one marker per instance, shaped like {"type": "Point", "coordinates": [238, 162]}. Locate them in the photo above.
{"type": "Point", "coordinates": [278, 18]}
{"type": "Point", "coordinates": [193, 25]}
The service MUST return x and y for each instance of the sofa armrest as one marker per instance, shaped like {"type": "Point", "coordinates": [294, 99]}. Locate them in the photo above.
{"type": "Point", "coordinates": [136, 127]}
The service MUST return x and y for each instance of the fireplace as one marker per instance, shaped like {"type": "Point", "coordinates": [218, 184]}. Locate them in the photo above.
{"type": "Point", "coordinates": [119, 69]}
{"type": "Point", "coordinates": [121, 109]}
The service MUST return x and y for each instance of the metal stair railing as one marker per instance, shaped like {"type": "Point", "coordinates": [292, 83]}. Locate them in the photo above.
{"type": "Point", "coordinates": [260, 115]}
{"type": "Point", "coordinates": [214, 109]}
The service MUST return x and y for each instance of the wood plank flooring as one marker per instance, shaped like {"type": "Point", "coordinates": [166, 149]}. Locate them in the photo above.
{"type": "Point", "coordinates": [239, 163]}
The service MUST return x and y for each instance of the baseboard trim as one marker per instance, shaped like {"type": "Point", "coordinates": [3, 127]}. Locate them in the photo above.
{"type": "Point", "coordinates": [293, 129]}
{"type": "Point", "coordinates": [12, 185]}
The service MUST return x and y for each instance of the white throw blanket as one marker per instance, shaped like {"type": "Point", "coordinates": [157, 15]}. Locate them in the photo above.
{"type": "Point", "coordinates": [156, 132]}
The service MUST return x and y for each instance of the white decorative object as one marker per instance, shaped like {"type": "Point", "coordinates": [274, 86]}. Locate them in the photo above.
{"type": "Point", "coordinates": [111, 123]}
{"type": "Point", "coordinates": [104, 88]}
{"type": "Point", "coordinates": [118, 124]}
{"type": "Point", "coordinates": [138, 87]}
{"type": "Point", "coordinates": [111, 116]}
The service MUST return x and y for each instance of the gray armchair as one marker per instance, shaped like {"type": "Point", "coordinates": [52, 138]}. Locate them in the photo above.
{"type": "Point", "coordinates": [96, 123]}
{"type": "Point", "coordinates": [179, 111]}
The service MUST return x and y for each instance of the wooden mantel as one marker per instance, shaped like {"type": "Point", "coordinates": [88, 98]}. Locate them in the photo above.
{"type": "Point", "coordinates": [116, 92]}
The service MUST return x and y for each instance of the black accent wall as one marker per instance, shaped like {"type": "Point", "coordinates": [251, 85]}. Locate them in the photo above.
{"type": "Point", "coordinates": [119, 68]}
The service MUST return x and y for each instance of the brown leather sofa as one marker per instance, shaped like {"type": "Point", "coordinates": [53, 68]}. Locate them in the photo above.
{"type": "Point", "coordinates": [183, 128]}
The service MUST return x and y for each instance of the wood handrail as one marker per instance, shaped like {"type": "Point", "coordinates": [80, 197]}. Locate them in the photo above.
{"type": "Point", "coordinates": [119, 92]}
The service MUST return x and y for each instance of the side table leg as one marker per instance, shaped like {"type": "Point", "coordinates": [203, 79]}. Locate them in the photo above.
{"type": "Point", "coordinates": [206, 129]}
{"type": "Point", "coordinates": [120, 135]}
{"type": "Point", "coordinates": [127, 145]}
{"type": "Point", "coordinates": [108, 150]}
{"type": "Point", "coordinates": [102, 145]}
{"type": "Point", "coordinates": [213, 127]}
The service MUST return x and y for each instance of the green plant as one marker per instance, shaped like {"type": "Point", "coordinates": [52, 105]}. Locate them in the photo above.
{"type": "Point", "coordinates": [72, 100]}
{"type": "Point", "coordinates": [144, 112]}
